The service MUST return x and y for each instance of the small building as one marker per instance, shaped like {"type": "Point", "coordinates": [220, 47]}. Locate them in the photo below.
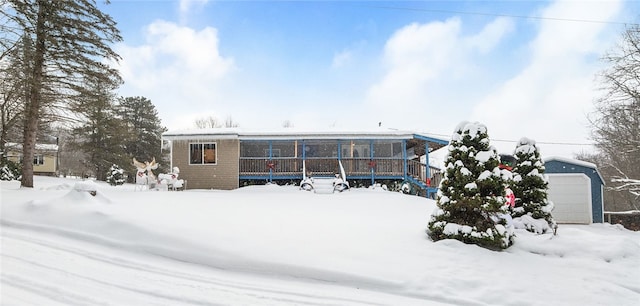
{"type": "Point", "coordinates": [226, 158]}
{"type": "Point", "coordinates": [45, 157]}
{"type": "Point", "coordinates": [576, 189]}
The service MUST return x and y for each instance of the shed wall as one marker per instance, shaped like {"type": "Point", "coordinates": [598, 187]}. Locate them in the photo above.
{"type": "Point", "coordinates": [571, 196]}
{"type": "Point", "coordinates": [596, 193]}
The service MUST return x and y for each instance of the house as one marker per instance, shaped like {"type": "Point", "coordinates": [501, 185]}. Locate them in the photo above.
{"type": "Point", "coordinates": [576, 189]}
{"type": "Point", "coordinates": [45, 158]}
{"type": "Point", "coordinates": [226, 158]}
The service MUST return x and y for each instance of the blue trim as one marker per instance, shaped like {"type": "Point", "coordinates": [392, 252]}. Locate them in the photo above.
{"type": "Point", "coordinates": [431, 139]}
{"type": "Point", "coordinates": [270, 160]}
{"type": "Point", "coordinates": [404, 158]}
{"type": "Point", "coordinates": [426, 161]}
{"type": "Point", "coordinates": [371, 155]}
{"type": "Point", "coordinates": [429, 190]}
{"type": "Point", "coordinates": [290, 177]}
{"type": "Point", "coordinates": [304, 150]}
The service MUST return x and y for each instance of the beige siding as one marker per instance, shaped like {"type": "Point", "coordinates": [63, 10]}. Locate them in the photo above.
{"type": "Point", "coordinates": [222, 175]}
{"type": "Point", "coordinates": [48, 166]}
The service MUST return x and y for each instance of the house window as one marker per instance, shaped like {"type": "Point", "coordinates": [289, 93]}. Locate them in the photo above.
{"type": "Point", "coordinates": [38, 159]}
{"type": "Point", "coordinates": [202, 153]}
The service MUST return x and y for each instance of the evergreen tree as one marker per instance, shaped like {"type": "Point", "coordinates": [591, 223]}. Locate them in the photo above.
{"type": "Point", "coordinates": [12, 88]}
{"type": "Point", "coordinates": [530, 187]}
{"type": "Point", "coordinates": [471, 194]}
{"type": "Point", "coordinates": [9, 170]}
{"type": "Point", "coordinates": [102, 133]}
{"type": "Point", "coordinates": [115, 176]}
{"type": "Point", "coordinates": [144, 128]}
{"type": "Point", "coordinates": [71, 41]}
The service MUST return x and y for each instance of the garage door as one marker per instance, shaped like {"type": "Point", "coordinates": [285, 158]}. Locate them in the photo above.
{"type": "Point", "coordinates": [571, 194]}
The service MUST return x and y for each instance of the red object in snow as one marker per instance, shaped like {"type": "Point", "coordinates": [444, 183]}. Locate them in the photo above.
{"type": "Point", "coordinates": [511, 198]}
{"type": "Point", "coordinates": [507, 162]}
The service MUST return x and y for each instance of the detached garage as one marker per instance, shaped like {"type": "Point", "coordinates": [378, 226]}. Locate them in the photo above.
{"type": "Point", "coordinates": [576, 189]}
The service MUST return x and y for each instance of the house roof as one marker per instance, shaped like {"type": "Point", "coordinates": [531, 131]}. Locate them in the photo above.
{"type": "Point", "coordinates": [297, 134]}
{"type": "Point", "coordinates": [41, 147]}
{"type": "Point", "coordinates": [575, 162]}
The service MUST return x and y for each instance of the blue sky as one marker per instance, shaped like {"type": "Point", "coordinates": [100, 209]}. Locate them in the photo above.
{"type": "Point", "coordinates": [421, 65]}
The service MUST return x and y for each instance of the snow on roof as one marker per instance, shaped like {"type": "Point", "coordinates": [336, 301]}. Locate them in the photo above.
{"type": "Point", "coordinates": [571, 161]}
{"type": "Point", "coordinates": [575, 162]}
{"type": "Point", "coordinates": [39, 146]}
{"type": "Point", "coordinates": [290, 133]}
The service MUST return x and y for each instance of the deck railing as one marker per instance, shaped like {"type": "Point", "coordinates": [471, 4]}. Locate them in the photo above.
{"type": "Point", "coordinates": [354, 167]}
{"type": "Point", "coordinates": [417, 170]}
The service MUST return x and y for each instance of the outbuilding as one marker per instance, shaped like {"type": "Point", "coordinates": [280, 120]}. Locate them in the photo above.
{"type": "Point", "coordinates": [576, 189]}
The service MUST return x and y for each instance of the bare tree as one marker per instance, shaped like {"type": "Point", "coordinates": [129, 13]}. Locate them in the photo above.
{"type": "Point", "coordinates": [207, 122]}
{"type": "Point", "coordinates": [614, 198]}
{"type": "Point", "coordinates": [70, 40]}
{"type": "Point", "coordinates": [287, 124]}
{"type": "Point", "coordinates": [616, 122]}
{"type": "Point", "coordinates": [229, 123]}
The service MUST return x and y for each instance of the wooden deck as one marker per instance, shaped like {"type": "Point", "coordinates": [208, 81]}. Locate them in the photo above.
{"type": "Point", "coordinates": [355, 168]}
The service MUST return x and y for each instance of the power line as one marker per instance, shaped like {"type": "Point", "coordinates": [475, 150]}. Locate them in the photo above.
{"type": "Point", "coordinates": [537, 142]}
{"type": "Point", "coordinates": [503, 15]}
{"type": "Point", "coordinates": [551, 143]}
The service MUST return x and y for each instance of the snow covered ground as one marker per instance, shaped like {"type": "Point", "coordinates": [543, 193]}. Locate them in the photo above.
{"type": "Point", "coordinates": [277, 245]}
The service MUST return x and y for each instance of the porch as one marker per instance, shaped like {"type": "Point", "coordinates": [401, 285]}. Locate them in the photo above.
{"type": "Point", "coordinates": [282, 168]}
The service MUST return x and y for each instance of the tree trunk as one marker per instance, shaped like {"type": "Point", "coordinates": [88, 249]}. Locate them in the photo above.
{"type": "Point", "coordinates": [32, 107]}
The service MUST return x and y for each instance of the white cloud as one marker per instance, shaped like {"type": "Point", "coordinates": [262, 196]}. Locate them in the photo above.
{"type": "Point", "coordinates": [419, 58]}
{"type": "Point", "coordinates": [549, 99]}
{"type": "Point", "coordinates": [185, 6]}
{"type": "Point", "coordinates": [178, 68]}
{"type": "Point", "coordinates": [342, 58]}
{"type": "Point", "coordinates": [491, 34]}
{"type": "Point", "coordinates": [414, 55]}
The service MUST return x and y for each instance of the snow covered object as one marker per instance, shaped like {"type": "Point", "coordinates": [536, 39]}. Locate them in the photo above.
{"type": "Point", "coordinates": [471, 199]}
{"type": "Point", "coordinates": [115, 176]}
{"type": "Point", "coordinates": [6, 174]}
{"type": "Point", "coordinates": [530, 185]}
{"type": "Point", "coordinates": [9, 170]}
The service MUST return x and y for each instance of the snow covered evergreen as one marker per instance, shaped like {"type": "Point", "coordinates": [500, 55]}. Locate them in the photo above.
{"type": "Point", "coordinates": [471, 196]}
{"type": "Point", "coordinates": [6, 174]}
{"type": "Point", "coordinates": [532, 209]}
{"type": "Point", "coordinates": [115, 176]}
{"type": "Point", "coordinates": [9, 171]}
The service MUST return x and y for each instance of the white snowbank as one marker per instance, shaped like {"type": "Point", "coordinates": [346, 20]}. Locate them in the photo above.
{"type": "Point", "coordinates": [369, 239]}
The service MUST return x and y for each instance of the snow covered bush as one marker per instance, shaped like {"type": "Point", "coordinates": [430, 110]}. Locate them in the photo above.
{"type": "Point", "coordinates": [530, 187]}
{"type": "Point", "coordinates": [471, 195]}
{"type": "Point", "coordinates": [115, 176]}
{"type": "Point", "coordinates": [9, 171]}
{"type": "Point", "coordinates": [6, 174]}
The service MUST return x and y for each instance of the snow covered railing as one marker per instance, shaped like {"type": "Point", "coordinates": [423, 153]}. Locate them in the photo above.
{"type": "Point", "coordinates": [417, 171]}
{"type": "Point", "coordinates": [324, 184]}
{"type": "Point", "coordinates": [628, 219]}
{"type": "Point", "coordinates": [321, 166]}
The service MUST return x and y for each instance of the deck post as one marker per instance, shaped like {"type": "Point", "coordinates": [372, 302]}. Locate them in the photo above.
{"type": "Point", "coordinates": [372, 166]}
{"type": "Point", "coordinates": [404, 159]}
{"type": "Point", "coordinates": [428, 169]}
{"type": "Point", "coordinates": [270, 160]}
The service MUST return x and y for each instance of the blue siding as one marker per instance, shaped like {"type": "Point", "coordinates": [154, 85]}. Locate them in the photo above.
{"type": "Point", "coordinates": [556, 166]}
